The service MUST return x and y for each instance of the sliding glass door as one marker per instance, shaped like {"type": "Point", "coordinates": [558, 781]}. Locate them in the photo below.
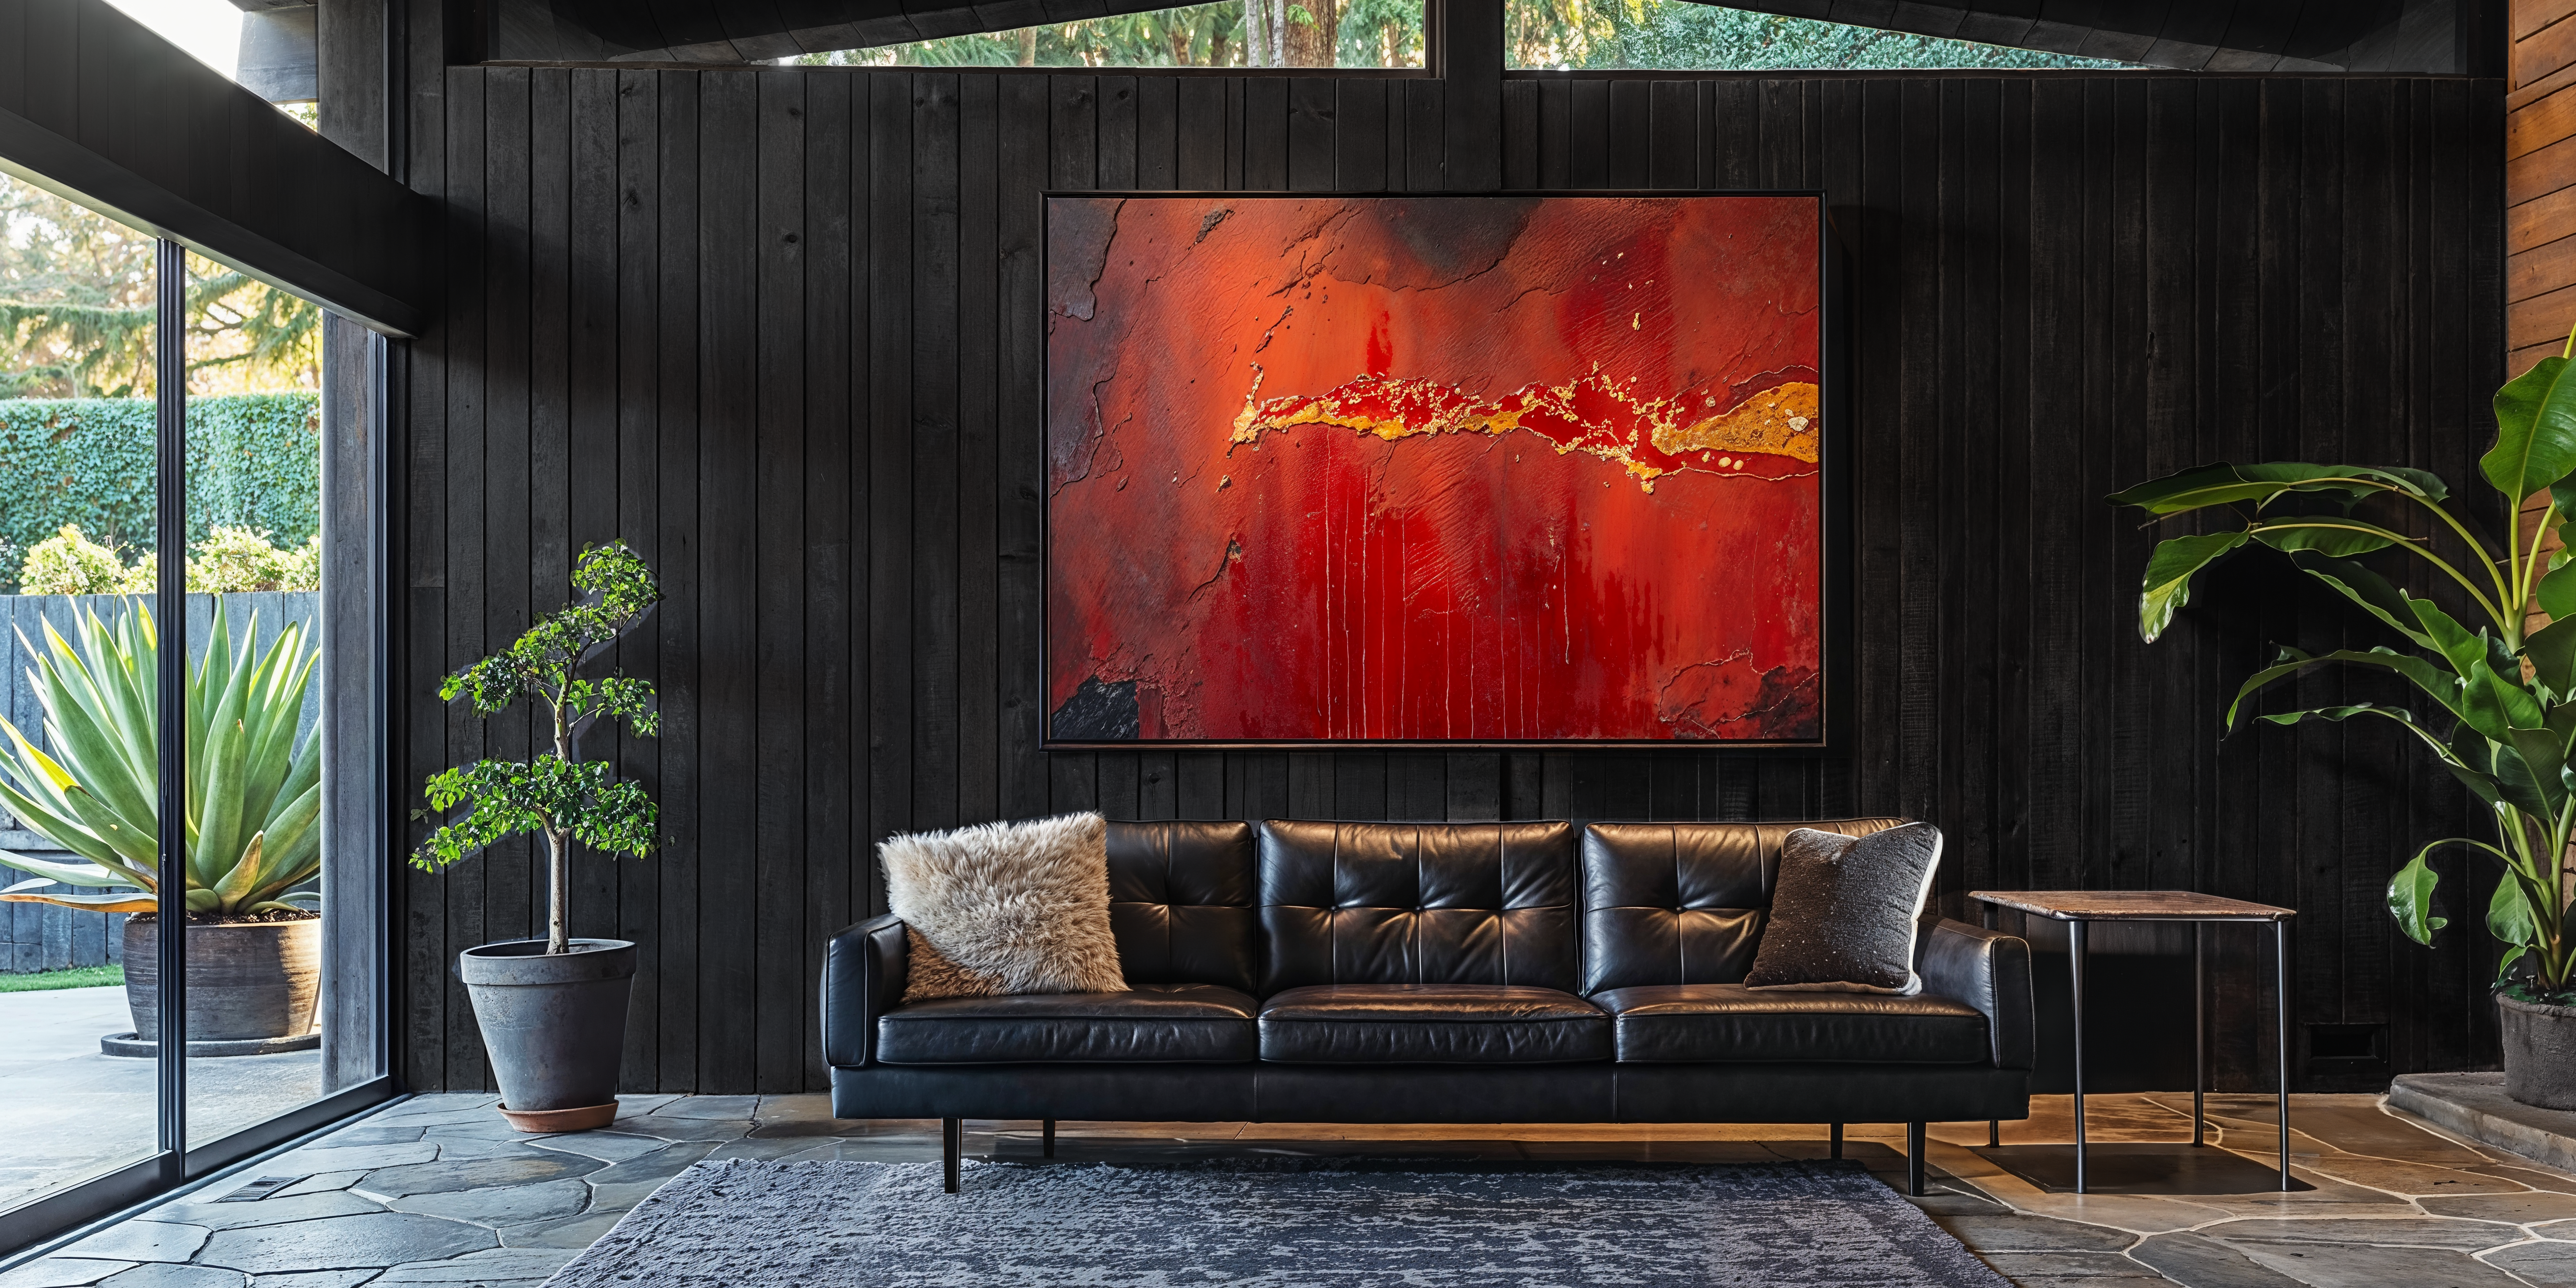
{"type": "Point", "coordinates": [194, 923]}
{"type": "Point", "coordinates": [80, 1100]}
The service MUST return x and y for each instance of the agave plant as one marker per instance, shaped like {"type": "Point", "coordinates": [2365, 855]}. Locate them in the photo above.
{"type": "Point", "coordinates": [2508, 697]}
{"type": "Point", "coordinates": [254, 793]}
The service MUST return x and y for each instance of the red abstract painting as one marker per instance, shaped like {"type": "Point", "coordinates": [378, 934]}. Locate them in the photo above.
{"type": "Point", "coordinates": [1434, 469]}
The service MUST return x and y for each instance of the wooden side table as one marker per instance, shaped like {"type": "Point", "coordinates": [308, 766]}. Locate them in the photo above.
{"type": "Point", "coordinates": [2080, 908]}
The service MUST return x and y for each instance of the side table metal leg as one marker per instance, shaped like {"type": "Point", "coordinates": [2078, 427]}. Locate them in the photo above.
{"type": "Point", "coordinates": [2075, 964]}
{"type": "Point", "coordinates": [2199, 1036]}
{"type": "Point", "coordinates": [2281, 1013]}
{"type": "Point", "coordinates": [1987, 914]}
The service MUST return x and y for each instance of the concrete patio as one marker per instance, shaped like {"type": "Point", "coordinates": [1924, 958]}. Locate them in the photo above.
{"type": "Point", "coordinates": [68, 1113]}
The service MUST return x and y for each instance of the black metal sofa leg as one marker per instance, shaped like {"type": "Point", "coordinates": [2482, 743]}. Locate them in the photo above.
{"type": "Point", "coordinates": [1837, 1141]}
{"type": "Point", "coordinates": [952, 1141]}
{"type": "Point", "coordinates": [1914, 1159]}
{"type": "Point", "coordinates": [1046, 1136]}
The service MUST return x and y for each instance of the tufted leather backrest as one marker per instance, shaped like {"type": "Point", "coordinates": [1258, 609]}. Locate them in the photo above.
{"type": "Point", "coordinates": [1682, 903]}
{"type": "Point", "coordinates": [1180, 902]}
{"type": "Point", "coordinates": [1417, 903]}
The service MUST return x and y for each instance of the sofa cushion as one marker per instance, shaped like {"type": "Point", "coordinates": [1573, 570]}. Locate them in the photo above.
{"type": "Point", "coordinates": [1402, 903]}
{"type": "Point", "coordinates": [1728, 1023]}
{"type": "Point", "coordinates": [1181, 902]}
{"type": "Point", "coordinates": [1181, 1023]}
{"type": "Point", "coordinates": [1845, 913]}
{"type": "Point", "coordinates": [1431, 1024]}
{"type": "Point", "coordinates": [1682, 903]}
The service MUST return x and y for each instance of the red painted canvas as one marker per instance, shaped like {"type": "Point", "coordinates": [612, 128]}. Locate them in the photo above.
{"type": "Point", "coordinates": [1481, 469]}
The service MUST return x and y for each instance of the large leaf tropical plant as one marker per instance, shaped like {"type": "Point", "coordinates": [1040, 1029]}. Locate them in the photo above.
{"type": "Point", "coordinates": [254, 790]}
{"type": "Point", "coordinates": [2507, 696]}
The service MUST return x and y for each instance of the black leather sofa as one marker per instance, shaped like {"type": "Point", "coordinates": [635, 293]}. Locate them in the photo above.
{"type": "Point", "coordinates": [1440, 973]}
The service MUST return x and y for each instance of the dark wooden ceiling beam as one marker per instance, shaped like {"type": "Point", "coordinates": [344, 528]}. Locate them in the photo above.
{"type": "Point", "coordinates": [2411, 36]}
{"type": "Point", "coordinates": [98, 109]}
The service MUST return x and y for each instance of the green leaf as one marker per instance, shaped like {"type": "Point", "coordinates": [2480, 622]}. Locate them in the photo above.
{"type": "Point", "coordinates": [2265, 482]}
{"type": "Point", "coordinates": [2552, 650]}
{"type": "Point", "coordinates": [2535, 443]}
{"type": "Point", "coordinates": [2410, 899]}
{"type": "Point", "coordinates": [70, 874]}
{"type": "Point", "coordinates": [2509, 916]}
{"type": "Point", "coordinates": [2557, 593]}
{"type": "Point", "coordinates": [2424, 675]}
{"type": "Point", "coordinates": [2376, 594]}
{"type": "Point", "coordinates": [2542, 756]}
{"type": "Point", "coordinates": [2169, 572]}
{"type": "Point", "coordinates": [129, 902]}
{"type": "Point", "coordinates": [2493, 704]}
{"type": "Point", "coordinates": [2322, 536]}
{"type": "Point", "coordinates": [2520, 785]}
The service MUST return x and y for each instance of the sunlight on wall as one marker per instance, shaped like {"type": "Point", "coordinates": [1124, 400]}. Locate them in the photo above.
{"type": "Point", "coordinates": [210, 30]}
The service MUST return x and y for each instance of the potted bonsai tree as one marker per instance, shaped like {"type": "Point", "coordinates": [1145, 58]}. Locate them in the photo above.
{"type": "Point", "coordinates": [253, 825]}
{"type": "Point", "coordinates": [553, 1010]}
{"type": "Point", "coordinates": [2502, 710]}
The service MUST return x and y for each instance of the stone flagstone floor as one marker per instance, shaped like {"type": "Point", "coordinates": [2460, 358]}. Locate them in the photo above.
{"type": "Point", "coordinates": [438, 1190]}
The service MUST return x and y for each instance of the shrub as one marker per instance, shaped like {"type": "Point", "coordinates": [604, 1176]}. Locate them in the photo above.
{"type": "Point", "coordinates": [254, 461]}
{"type": "Point", "coordinates": [227, 561]}
{"type": "Point", "coordinates": [241, 559]}
{"type": "Point", "coordinates": [69, 563]}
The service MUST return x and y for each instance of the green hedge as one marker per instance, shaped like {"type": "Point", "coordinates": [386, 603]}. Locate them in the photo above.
{"type": "Point", "coordinates": [254, 460]}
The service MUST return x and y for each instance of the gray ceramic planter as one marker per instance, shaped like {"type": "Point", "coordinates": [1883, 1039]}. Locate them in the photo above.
{"type": "Point", "coordinates": [249, 983]}
{"type": "Point", "coordinates": [553, 1026]}
{"type": "Point", "coordinates": [2539, 1052]}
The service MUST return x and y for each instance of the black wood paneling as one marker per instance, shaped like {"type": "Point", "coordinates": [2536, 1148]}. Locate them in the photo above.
{"type": "Point", "coordinates": [780, 329]}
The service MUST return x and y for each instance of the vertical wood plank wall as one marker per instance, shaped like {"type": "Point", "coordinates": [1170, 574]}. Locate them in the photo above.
{"type": "Point", "coordinates": [780, 329]}
{"type": "Point", "coordinates": [2540, 181]}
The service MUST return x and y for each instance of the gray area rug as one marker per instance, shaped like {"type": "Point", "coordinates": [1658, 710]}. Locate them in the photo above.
{"type": "Point", "coordinates": [1343, 1223]}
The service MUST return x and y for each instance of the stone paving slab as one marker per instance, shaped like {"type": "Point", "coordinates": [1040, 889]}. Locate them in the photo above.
{"type": "Point", "coordinates": [2397, 1201]}
{"type": "Point", "coordinates": [2474, 1105]}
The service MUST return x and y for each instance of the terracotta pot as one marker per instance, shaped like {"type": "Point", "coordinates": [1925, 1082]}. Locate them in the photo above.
{"type": "Point", "coordinates": [2539, 1052]}
{"type": "Point", "coordinates": [246, 980]}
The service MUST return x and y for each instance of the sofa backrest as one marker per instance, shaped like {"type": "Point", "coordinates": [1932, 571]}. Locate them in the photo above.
{"type": "Point", "coordinates": [1417, 903]}
{"type": "Point", "coordinates": [1181, 902]}
{"type": "Point", "coordinates": [1682, 903]}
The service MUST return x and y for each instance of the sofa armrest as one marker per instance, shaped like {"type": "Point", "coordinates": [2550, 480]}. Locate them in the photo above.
{"type": "Point", "coordinates": [1990, 971]}
{"type": "Point", "coordinates": [864, 971]}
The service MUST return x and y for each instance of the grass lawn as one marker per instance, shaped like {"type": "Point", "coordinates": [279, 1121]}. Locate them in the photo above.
{"type": "Point", "coordinates": [77, 977]}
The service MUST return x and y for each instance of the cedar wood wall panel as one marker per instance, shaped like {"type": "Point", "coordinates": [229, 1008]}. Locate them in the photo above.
{"type": "Point", "coordinates": [2540, 178]}
{"type": "Point", "coordinates": [780, 330]}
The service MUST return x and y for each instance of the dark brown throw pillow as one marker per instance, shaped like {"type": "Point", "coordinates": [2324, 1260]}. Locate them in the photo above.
{"type": "Point", "coordinates": [1843, 915]}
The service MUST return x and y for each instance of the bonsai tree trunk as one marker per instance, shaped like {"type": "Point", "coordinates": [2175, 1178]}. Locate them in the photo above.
{"type": "Point", "coordinates": [558, 873]}
{"type": "Point", "coordinates": [558, 849]}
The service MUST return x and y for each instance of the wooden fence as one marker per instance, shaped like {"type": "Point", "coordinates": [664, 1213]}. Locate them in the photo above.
{"type": "Point", "coordinates": [35, 936]}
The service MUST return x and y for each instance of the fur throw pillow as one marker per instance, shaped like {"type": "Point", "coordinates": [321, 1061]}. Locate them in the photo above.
{"type": "Point", "coordinates": [1005, 908]}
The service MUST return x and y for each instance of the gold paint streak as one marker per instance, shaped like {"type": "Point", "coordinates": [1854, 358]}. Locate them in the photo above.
{"type": "Point", "coordinates": [1780, 421]}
